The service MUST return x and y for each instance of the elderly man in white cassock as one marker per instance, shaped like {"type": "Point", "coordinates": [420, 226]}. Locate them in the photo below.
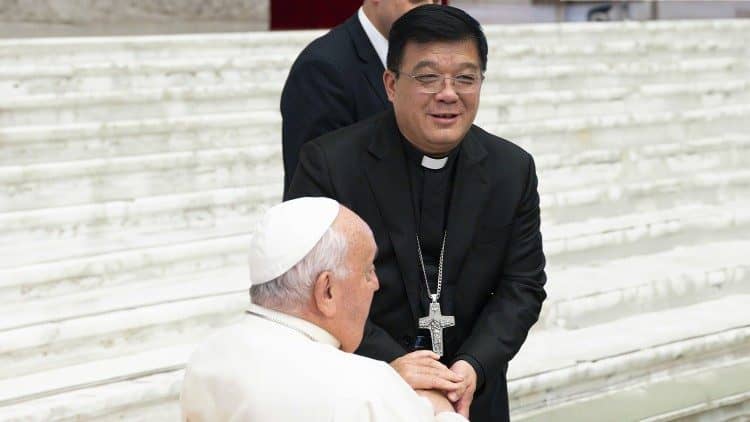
{"type": "Point", "coordinates": [289, 359]}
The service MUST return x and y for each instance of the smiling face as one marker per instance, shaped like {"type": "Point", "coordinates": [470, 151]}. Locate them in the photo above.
{"type": "Point", "coordinates": [434, 123]}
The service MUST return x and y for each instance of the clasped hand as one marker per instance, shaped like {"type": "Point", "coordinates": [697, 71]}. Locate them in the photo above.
{"type": "Point", "coordinates": [422, 370]}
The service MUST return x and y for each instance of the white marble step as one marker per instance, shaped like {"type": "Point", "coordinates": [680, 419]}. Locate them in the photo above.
{"type": "Point", "coordinates": [647, 98]}
{"type": "Point", "coordinates": [71, 107]}
{"type": "Point", "coordinates": [607, 238]}
{"type": "Point", "coordinates": [147, 398]}
{"type": "Point", "coordinates": [140, 215]}
{"type": "Point", "coordinates": [37, 335]}
{"type": "Point", "coordinates": [679, 357]}
{"type": "Point", "coordinates": [59, 344]}
{"type": "Point", "coordinates": [82, 140]}
{"type": "Point", "coordinates": [504, 39]}
{"type": "Point", "coordinates": [92, 374]}
{"type": "Point", "coordinates": [118, 267]}
{"type": "Point", "coordinates": [596, 192]}
{"type": "Point", "coordinates": [588, 190]}
{"type": "Point", "coordinates": [546, 363]}
{"type": "Point", "coordinates": [48, 251]}
{"type": "Point", "coordinates": [563, 75]}
{"type": "Point", "coordinates": [125, 178]}
{"type": "Point", "coordinates": [621, 198]}
{"type": "Point", "coordinates": [631, 163]}
{"type": "Point", "coordinates": [502, 75]}
{"type": "Point", "coordinates": [64, 266]}
{"type": "Point", "coordinates": [631, 129]}
{"type": "Point", "coordinates": [596, 293]}
{"type": "Point", "coordinates": [99, 140]}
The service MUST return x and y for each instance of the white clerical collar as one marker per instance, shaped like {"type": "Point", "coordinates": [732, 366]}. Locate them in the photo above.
{"type": "Point", "coordinates": [434, 163]}
{"type": "Point", "coordinates": [378, 41]}
{"type": "Point", "coordinates": [298, 324]}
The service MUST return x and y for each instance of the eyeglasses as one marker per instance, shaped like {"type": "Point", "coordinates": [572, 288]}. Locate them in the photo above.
{"type": "Point", "coordinates": [432, 83]}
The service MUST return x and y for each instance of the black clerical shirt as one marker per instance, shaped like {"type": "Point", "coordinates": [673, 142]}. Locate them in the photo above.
{"type": "Point", "coordinates": [431, 192]}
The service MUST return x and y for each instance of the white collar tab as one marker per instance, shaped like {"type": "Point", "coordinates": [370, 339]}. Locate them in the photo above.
{"type": "Point", "coordinates": [434, 163]}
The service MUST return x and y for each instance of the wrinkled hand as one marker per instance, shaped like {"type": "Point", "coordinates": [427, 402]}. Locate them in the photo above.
{"type": "Point", "coordinates": [423, 371]}
{"type": "Point", "coordinates": [464, 394]}
{"type": "Point", "coordinates": [439, 402]}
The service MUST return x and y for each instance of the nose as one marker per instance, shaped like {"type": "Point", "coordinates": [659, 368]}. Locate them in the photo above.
{"type": "Point", "coordinates": [448, 92]}
{"type": "Point", "coordinates": [375, 283]}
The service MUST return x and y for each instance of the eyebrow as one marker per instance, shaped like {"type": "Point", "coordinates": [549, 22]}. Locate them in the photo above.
{"type": "Point", "coordinates": [429, 63]}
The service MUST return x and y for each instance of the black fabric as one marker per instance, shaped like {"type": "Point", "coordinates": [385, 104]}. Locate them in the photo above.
{"type": "Point", "coordinates": [494, 256]}
{"type": "Point", "coordinates": [337, 80]}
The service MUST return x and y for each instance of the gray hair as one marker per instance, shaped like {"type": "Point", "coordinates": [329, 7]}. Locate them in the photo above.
{"type": "Point", "coordinates": [293, 289]}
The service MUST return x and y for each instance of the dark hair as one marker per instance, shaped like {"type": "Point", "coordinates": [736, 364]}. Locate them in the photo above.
{"type": "Point", "coordinates": [433, 22]}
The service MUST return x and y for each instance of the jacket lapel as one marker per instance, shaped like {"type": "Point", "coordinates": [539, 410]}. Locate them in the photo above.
{"type": "Point", "coordinates": [389, 181]}
{"type": "Point", "coordinates": [470, 189]}
{"type": "Point", "coordinates": [372, 67]}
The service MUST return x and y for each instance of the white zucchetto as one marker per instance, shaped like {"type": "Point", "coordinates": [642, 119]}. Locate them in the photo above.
{"type": "Point", "coordinates": [286, 233]}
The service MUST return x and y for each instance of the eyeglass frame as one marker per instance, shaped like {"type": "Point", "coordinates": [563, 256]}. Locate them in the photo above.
{"type": "Point", "coordinates": [441, 82]}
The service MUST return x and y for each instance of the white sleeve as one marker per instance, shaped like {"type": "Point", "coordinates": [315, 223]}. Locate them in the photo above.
{"type": "Point", "coordinates": [450, 417]}
{"type": "Point", "coordinates": [391, 401]}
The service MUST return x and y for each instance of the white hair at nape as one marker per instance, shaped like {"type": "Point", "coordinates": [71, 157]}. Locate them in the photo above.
{"type": "Point", "coordinates": [293, 289]}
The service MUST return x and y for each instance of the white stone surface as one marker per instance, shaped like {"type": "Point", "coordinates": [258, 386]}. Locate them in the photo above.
{"type": "Point", "coordinates": [132, 169]}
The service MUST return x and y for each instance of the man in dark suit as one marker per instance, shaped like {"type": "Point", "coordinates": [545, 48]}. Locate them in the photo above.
{"type": "Point", "coordinates": [454, 210]}
{"type": "Point", "coordinates": [337, 80]}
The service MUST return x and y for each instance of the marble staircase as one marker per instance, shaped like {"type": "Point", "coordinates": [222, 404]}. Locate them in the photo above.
{"type": "Point", "coordinates": [132, 169]}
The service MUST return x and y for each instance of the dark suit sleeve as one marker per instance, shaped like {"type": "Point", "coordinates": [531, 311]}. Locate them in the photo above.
{"type": "Point", "coordinates": [312, 178]}
{"type": "Point", "coordinates": [515, 304]}
{"type": "Point", "coordinates": [315, 101]}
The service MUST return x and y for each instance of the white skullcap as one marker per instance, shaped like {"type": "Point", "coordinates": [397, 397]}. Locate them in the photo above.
{"type": "Point", "coordinates": [286, 234]}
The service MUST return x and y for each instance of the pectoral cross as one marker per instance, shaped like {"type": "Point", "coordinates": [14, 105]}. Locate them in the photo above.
{"type": "Point", "coordinates": [435, 322]}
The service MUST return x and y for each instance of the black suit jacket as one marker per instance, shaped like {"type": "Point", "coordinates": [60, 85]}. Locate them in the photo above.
{"type": "Point", "coordinates": [337, 80]}
{"type": "Point", "coordinates": [494, 255]}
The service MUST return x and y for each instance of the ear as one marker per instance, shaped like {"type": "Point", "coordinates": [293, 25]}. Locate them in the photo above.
{"type": "Point", "coordinates": [389, 80]}
{"type": "Point", "coordinates": [323, 294]}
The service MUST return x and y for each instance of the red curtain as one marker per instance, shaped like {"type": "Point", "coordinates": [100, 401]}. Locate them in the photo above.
{"type": "Point", "coordinates": [310, 14]}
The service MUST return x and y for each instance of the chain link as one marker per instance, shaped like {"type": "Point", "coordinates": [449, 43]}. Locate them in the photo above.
{"type": "Point", "coordinates": [435, 297]}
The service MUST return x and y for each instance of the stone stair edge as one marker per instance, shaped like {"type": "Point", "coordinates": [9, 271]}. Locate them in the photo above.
{"type": "Point", "coordinates": [122, 260]}
{"type": "Point", "coordinates": [22, 134]}
{"type": "Point", "coordinates": [675, 392]}
{"type": "Point", "coordinates": [147, 205]}
{"type": "Point", "coordinates": [560, 239]}
{"type": "Point", "coordinates": [94, 373]}
{"type": "Point", "coordinates": [79, 330]}
{"type": "Point", "coordinates": [281, 65]}
{"type": "Point", "coordinates": [656, 329]}
{"type": "Point", "coordinates": [143, 205]}
{"type": "Point", "coordinates": [98, 400]}
{"type": "Point", "coordinates": [497, 48]}
{"type": "Point", "coordinates": [300, 36]}
{"type": "Point", "coordinates": [620, 120]}
{"type": "Point", "coordinates": [145, 293]}
{"type": "Point", "coordinates": [83, 98]}
{"type": "Point", "coordinates": [256, 154]}
{"type": "Point", "coordinates": [41, 133]}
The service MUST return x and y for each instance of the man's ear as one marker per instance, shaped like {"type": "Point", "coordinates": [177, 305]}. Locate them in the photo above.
{"type": "Point", "coordinates": [389, 80]}
{"type": "Point", "coordinates": [323, 294]}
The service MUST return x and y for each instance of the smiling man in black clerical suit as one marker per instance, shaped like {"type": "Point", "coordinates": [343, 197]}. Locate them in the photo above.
{"type": "Point", "coordinates": [454, 210]}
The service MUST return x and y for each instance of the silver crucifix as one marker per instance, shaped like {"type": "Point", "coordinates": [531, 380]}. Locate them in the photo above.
{"type": "Point", "coordinates": [435, 322]}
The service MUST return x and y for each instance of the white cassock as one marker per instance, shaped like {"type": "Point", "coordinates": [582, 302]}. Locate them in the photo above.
{"type": "Point", "coordinates": [285, 369]}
